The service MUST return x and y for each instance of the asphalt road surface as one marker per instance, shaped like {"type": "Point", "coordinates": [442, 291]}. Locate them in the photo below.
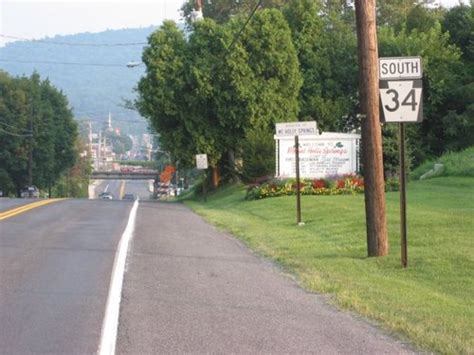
{"type": "Point", "coordinates": [187, 288]}
{"type": "Point", "coordinates": [55, 267]}
{"type": "Point", "coordinates": [192, 289]}
{"type": "Point", "coordinates": [118, 188]}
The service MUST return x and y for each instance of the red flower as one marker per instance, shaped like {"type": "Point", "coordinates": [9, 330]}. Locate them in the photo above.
{"type": "Point", "coordinates": [319, 184]}
{"type": "Point", "coordinates": [359, 182]}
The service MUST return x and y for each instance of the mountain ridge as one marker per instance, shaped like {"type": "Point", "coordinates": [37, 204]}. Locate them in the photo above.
{"type": "Point", "coordinates": [94, 77]}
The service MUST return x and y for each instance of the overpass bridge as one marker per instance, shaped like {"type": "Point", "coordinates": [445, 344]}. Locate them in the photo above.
{"type": "Point", "coordinates": [131, 175]}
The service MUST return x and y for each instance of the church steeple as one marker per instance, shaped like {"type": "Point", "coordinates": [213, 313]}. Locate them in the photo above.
{"type": "Point", "coordinates": [109, 123]}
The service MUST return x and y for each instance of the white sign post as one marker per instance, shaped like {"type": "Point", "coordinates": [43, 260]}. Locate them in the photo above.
{"type": "Point", "coordinates": [401, 90]}
{"type": "Point", "coordinates": [201, 164]}
{"type": "Point", "coordinates": [201, 161]}
{"type": "Point", "coordinates": [286, 129]}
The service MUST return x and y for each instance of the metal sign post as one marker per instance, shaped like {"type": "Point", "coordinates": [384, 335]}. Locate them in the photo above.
{"type": "Point", "coordinates": [298, 183]}
{"type": "Point", "coordinates": [401, 98]}
{"type": "Point", "coordinates": [403, 199]}
{"type": "Point", "coordinates": [296, 129]}
{"type": "Point", "coordinates": [204, 186]}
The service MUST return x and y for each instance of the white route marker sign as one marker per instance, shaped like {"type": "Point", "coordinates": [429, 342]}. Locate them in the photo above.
{"type": "Point", "coordinates": [401, 89]}
{"type": "Point", "coordinates": [401, 100]}
{"type": "Point", "coordinates": [400, 68]}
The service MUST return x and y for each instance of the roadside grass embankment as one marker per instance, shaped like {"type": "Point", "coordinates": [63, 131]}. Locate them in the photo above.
{"type": "Point", "coordinates": [430, 303]}
{"type": "Point", "coordinates": [454, 164]}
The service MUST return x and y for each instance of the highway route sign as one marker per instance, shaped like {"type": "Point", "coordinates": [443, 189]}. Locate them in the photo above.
{"type": "Point", "coordinates": [401, 90]}
{"type": "Point", "coordinates": [401, 100]}
{"type": "Point", "coordinates": [395, 68]}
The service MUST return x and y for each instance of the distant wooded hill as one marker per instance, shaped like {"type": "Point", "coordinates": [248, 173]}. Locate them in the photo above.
{"type": "Point", "coordinates": [93, 90]}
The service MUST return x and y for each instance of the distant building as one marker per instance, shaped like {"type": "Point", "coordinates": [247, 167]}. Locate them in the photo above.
{"type": "Point", "coordinates": [109, 123]}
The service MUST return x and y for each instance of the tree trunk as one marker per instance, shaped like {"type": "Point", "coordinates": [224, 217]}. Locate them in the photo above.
{"type": "Point", "coordinates": [216, 177]}
{"type": "Point", "coordinates": [232, 165]}
{"type": "Point", "coordinates": [377, 240]}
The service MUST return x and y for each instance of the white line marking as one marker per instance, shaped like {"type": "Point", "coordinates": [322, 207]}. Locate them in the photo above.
{"type": "Point", "coordinates": [106, 188]}
{"type": "Point", "coordinates": [108, 337]}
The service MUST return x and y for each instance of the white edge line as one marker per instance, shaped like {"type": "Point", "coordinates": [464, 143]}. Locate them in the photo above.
{"type": "Point", "coordinates": [108, 336]}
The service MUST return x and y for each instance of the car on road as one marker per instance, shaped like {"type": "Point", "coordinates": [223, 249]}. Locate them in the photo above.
{"type": "Point", "coordinates": [29, 192]}
{"type": "Point", "coordinates": [128, 197]}
{"type": "Point", "coordinates": [105, 196]}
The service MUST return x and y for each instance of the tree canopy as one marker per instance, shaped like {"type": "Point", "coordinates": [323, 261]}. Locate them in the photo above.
{"type": "Point", "coordinates": [204, 97]}
{"type": "Point", "coordinates": [33, 107]}
{"type": "Point", "coordinates": [212, 92]}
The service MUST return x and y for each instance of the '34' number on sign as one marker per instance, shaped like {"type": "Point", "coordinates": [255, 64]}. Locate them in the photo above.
{"type": "Point", "coordinates": [409, 100]}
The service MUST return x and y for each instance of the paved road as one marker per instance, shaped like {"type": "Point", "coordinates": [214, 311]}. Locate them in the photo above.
{"type": "Point", "coordinates": [192, 289]}
{"type": "Point", "coordinates": [55, 267]}
{"type": "Point", "coordinates": [118, 188]}
{"type": "Point", "coordinates": [10, 203]}
{"type": "Point", "coordinates": [138, 188]}
{"type": "Point", "coordinates": [188, 288]}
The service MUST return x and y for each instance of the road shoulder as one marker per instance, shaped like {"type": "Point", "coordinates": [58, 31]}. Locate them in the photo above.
{"type": "Point", "coordinates": [192, 288]}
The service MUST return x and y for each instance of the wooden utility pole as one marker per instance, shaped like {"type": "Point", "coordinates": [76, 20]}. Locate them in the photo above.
{"type": "Point", "coordinates": [377, 240]}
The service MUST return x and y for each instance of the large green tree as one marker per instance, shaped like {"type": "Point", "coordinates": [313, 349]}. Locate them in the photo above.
{"type": "Point", "coordinates": [205, 94]}
{"type": "Point", "coordinates": [161, 90]}
{"type": "Point", "coordinates": [411, 14]}
{"type": "Point", "coordinates": [222, 11]}
{"type": "Point", "coordinates": [275, 86]}
{"type": "Point", "coordinates": [459, 108]}
{"type": "Point", "coordinates": [329, 91]}
{"type": "Point", "coordinates": [30, 106]}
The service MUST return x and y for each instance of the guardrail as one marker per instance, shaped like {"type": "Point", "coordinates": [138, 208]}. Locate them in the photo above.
{"type": "Point", "coordinates": [117, 175]}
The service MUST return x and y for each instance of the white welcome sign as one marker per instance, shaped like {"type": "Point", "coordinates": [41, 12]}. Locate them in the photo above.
{"type": "Point", "coordinates": [321, 156]}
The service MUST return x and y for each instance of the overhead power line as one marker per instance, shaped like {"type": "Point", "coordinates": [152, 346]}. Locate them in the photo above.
{"type": "Point", "coordinates": [42, 41]}
{"type": "Point", "coordinates": [15, 134]}
{"type": "Point", "coordinates": [245, 25]}
{"type": "Point", "coordinates": [12, 127]}
{"type": "Point", "coordinates": [61, 63]}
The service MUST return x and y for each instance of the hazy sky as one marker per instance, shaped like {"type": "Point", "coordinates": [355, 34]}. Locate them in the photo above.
{"type": "Point", "coordinates": [34, 19]}
{"type": "Point", "coordinates": [37, 19]}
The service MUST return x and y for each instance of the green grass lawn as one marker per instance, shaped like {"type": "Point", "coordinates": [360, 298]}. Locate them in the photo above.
{"type": "Point", "coordinates": [431, 302]}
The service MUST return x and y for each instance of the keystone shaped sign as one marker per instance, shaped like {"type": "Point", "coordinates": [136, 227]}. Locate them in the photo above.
{"type": "Point", "coordinates": [401, 100]}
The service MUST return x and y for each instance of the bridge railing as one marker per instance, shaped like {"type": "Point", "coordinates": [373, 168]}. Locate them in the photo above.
{"type": "Point", "coordinates": [118, 175]}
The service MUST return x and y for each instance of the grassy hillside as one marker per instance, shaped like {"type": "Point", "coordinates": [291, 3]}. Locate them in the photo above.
{"type": "Point", "coordinates": [430, 302]}
{"type": "Point", "coordinates": [454, 164]}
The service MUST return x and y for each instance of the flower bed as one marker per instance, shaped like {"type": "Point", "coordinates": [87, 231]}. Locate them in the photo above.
{"type": "Point", "coordinates": [343, 185]}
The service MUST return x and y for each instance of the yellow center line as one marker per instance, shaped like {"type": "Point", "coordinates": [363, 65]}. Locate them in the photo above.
{"type": "Point", "coordinates": [30, 206]}
{"type": "Point", "coordinates": [122, 189]}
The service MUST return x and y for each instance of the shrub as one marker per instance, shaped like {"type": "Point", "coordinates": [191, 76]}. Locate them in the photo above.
{"type": "Point", "coordinates": [344, 185]}
{"type": "Point", "coordinates": [349, 184]}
